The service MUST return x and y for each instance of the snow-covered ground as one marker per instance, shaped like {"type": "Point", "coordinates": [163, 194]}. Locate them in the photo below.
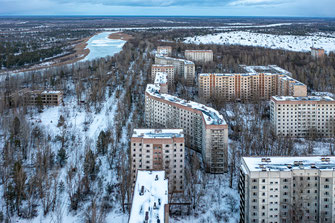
{"type": "Point", "coordinates": [285, 42]}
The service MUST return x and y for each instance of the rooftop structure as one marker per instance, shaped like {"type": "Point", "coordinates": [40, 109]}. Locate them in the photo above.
{"type": "Point", "coordinates": [304, 99]}
{"type": "Point", "coordinates": [269, 69]}
{"type": "Point", "coordinates": [161, 80]}
{"type": "Point", "coordinates": [150, 198]}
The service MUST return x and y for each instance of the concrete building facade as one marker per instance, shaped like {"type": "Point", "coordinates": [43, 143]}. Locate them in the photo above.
{"type": "Point", "coordinates": [169, 69]}
{"type": "Point", "coordinates": [36, 97]}
{"type": "Point", "coordinates": [303, 116]}
{"type": "Point", "coordinates": [317, 52]}
{"type": "Point", "coordinates": [199, 55]}
{"type": "Point", "coordinates": [287, 189]}
{"type": "Point", "coordinates": [205, 129]}
{"type": "Point", "coordinates": [184, 69]}
{"type": "Point", "coordinates": [259, 82]}
{"type": "Point", "coordinates": [159, 149]}
{"type": "Point", "coordinates": [164, 50]}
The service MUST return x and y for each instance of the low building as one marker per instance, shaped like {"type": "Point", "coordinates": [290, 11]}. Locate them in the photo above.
{"type": "Point", "coordinates": [199, 55]}
{"type": "Point", "coordinates": [164, 50]}
{"type": "Point", "coordinates": [303, 116]}
{"type": "Point", "coordinates": [159, 149]}
{"type": "Point", "coordinates": [184, 69]}
{"type": "Point", "coordinates": [256, 83]}
{"type": "Point", "coordinates": [287, 189]}
{"type": "Point", "coordinates": [205, 129]}
{"type": "Point", "coordinates": [317, 52]}
{"type": "Point", "coordinates": [169, 69]}
{"type": "Point", "coordinates": [36, 97]}
{"type": "Point", "coordinates": [150, 202]}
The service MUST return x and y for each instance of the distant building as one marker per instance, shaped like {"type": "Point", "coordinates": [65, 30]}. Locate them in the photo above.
{"type": "Point", "coordinates": [164, 50]}
{"type": "Point", "coordinates": [184, 69]}
{"type": "Point", "coordinates": [317, 52]}
{"type": "Point", "coordinates": [36, 97]}
{"type": "Point", "coordinates": [287, 189]}
{"type": "Point", "coordinates": [303, 116]}
{"type": "Point", "coordinates": [204, 128]}
{"type": "Point", "coordinates": [159, 149]}
{"type": "Point", "coordinates": [166, 68]}
{"type": "Point", "coordinates": [150, 202]}
{"type": "Point", "coordinates": [199, 55]}
{"type": "Point", "coordinates": [257, 82]}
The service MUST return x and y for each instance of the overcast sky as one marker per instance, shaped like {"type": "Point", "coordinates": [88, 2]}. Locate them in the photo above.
{"type": "Point", "coordinates": [309, 8]}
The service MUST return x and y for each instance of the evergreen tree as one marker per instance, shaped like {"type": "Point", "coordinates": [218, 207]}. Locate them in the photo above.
{"type": "Point", "coordinates": [61, 157]}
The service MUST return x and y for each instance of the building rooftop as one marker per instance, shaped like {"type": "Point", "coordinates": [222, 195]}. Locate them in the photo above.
{"type": "Point", "coordinates": [269, 69]}
{"type": "Point", "coordinates": [210, 51]}
{"type": "Point", "coordinates": [211, 116]}
{"type": "Point", "coordinates": [162, 65]}
{"type": "Point", "coordinates": [161, 78]}
{"type": "Point", "coordinates": [158, 133]}
{"type": "Point", "coordinates": [307, 98]}
{"type": "Point", "coordinates": [289, 163]}
{"type": "Point", "coordinates": [176, 59]}
{"type": "Point", "coordinates": [150, 197]}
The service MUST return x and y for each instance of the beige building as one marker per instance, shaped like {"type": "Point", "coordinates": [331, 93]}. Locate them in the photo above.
{"type": "Point", "coordinates": [159, 149]}
{"type": "Point", "coordinates": [36, 97]}
{"type": "Point", "coordinates": [164, 50]}
{"type": "Point", "coordinates": [317, 52]}
{"type": "Point", "coordinates": [150, 200]}
{"type": "Point", "coordinates": [169, 69]}
{"type": "Point", "coordinates": [184, 69]}
{"type": "Point", "coordinates": [303, 116]}
{"type": "Point", "coordinates": [161, 82]}
{"type": "Point", "coordinates": [287, 189]}
{"type": "Point", "coordinates": [205, 129]}
{"type": "Point", "coordinates": [199, 55]}
{"type": "Point", "coordinates": [258, 82]}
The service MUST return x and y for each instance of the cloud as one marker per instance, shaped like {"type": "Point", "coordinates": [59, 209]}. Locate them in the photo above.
{"type": "Point", "coordinates": [255, 2]}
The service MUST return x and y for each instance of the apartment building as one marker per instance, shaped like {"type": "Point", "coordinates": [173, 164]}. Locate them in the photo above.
{"type": "Point", "coordinates": [303, 116]}
{"type": "Point", "coordinates": [184, 69]}
{"type": "Point", "coordinates": [199, 55]}
{"type": "Point", "coordinates": [150, 202]}
{"type": "Point", "coordinates": [36, 97]}
{"type": "Point", "coordinates": [166, 68]}
{"type": "Point", "coordinates": [164, 50]}
{"type": "Point", "coordinates": [159, 149]}
{"type": "Point", "coordinates": [205, 129]}
{"type": "Point", "coordinates": [161, 81]}
{"type": "Point", "coordinates": [317, 52]}
{"type": "Point", "coordinates": [258, 82]}
{"type": "Point", "coordinates": [287, 189]}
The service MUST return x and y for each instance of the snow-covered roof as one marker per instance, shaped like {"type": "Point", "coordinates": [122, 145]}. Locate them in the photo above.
{"type": "Point", "coordinates": [161, 78]}
{"type": "Point", "coordinates": [175, 59]}
{"type": "Point", "coordinates": [210, 115]}
{"type": "Point", "coordinates": [201, 51]}
{"type": "Point", "coordinates": [306, 98]}
{"type": "Point", "coordinates": [150, 197]}
{"type": "Point", "coordinates": [163, 65]}
{"type": "Point", "coordinates": [269, 69]}
{"type": "Point", "coordinates": [285, 163]}
{"type": "Point", "coordinates": [158, 133]}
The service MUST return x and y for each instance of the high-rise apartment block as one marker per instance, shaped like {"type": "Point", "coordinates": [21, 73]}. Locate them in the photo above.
{"type": "Point", "coordinates": [204, 128]}
{"type": "Point", "coordinates": [258, 82]}
{"type": "Point", "coordinates": [150, 198]}
{"type": "Point", "coordinates": [164, 50]}
{"type": "Point", "coordinates": [161, 82]}
{"type": "Point", "coordinates": [199, 55]}
{"type": "Point", "coordinates": [317, 52]}
{"type": "Point", "coordinates": [166, 68]}
{"type": "Point", "coordinates": [287, 189]}
{"type": "Point", "coordinates": [159, 149]}
{"type": "Point", "coordinates": [183, 68]}
{"type": "Point", "coordinates": [303, 116]}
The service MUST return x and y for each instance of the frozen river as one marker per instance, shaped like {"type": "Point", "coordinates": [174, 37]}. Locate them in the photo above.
{"type": "Point", "coordinates": [101, 46]}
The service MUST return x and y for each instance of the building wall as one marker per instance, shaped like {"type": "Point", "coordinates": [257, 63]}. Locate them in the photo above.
{"type": "Point", "coordinates": [303, 118]}
{"type": "Point", "coordinates": [302, 195]}
{"type": "Point", "coordinates": [169, 69]}
{"type": "Point", "coordinates": [160, 113]}
{"type": "Point", "coordinates": [248, 86]}
{"type": "Point", "coordinates": [199, 55]}
{"type": "Point", "coordinates": [160, 154]}
{"type": "Point", "coordinates": [164, 50]}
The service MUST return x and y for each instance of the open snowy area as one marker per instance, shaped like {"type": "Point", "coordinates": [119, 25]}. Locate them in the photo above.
{"type": "Point", "coordinates": [284, 42]}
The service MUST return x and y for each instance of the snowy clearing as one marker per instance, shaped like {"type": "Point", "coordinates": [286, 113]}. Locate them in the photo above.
{"type": "Point", "coordinates": [285, 42]}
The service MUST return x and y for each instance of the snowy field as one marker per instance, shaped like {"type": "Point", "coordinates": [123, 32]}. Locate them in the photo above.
{"type": "Point", "coordinates": [284, 42]}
